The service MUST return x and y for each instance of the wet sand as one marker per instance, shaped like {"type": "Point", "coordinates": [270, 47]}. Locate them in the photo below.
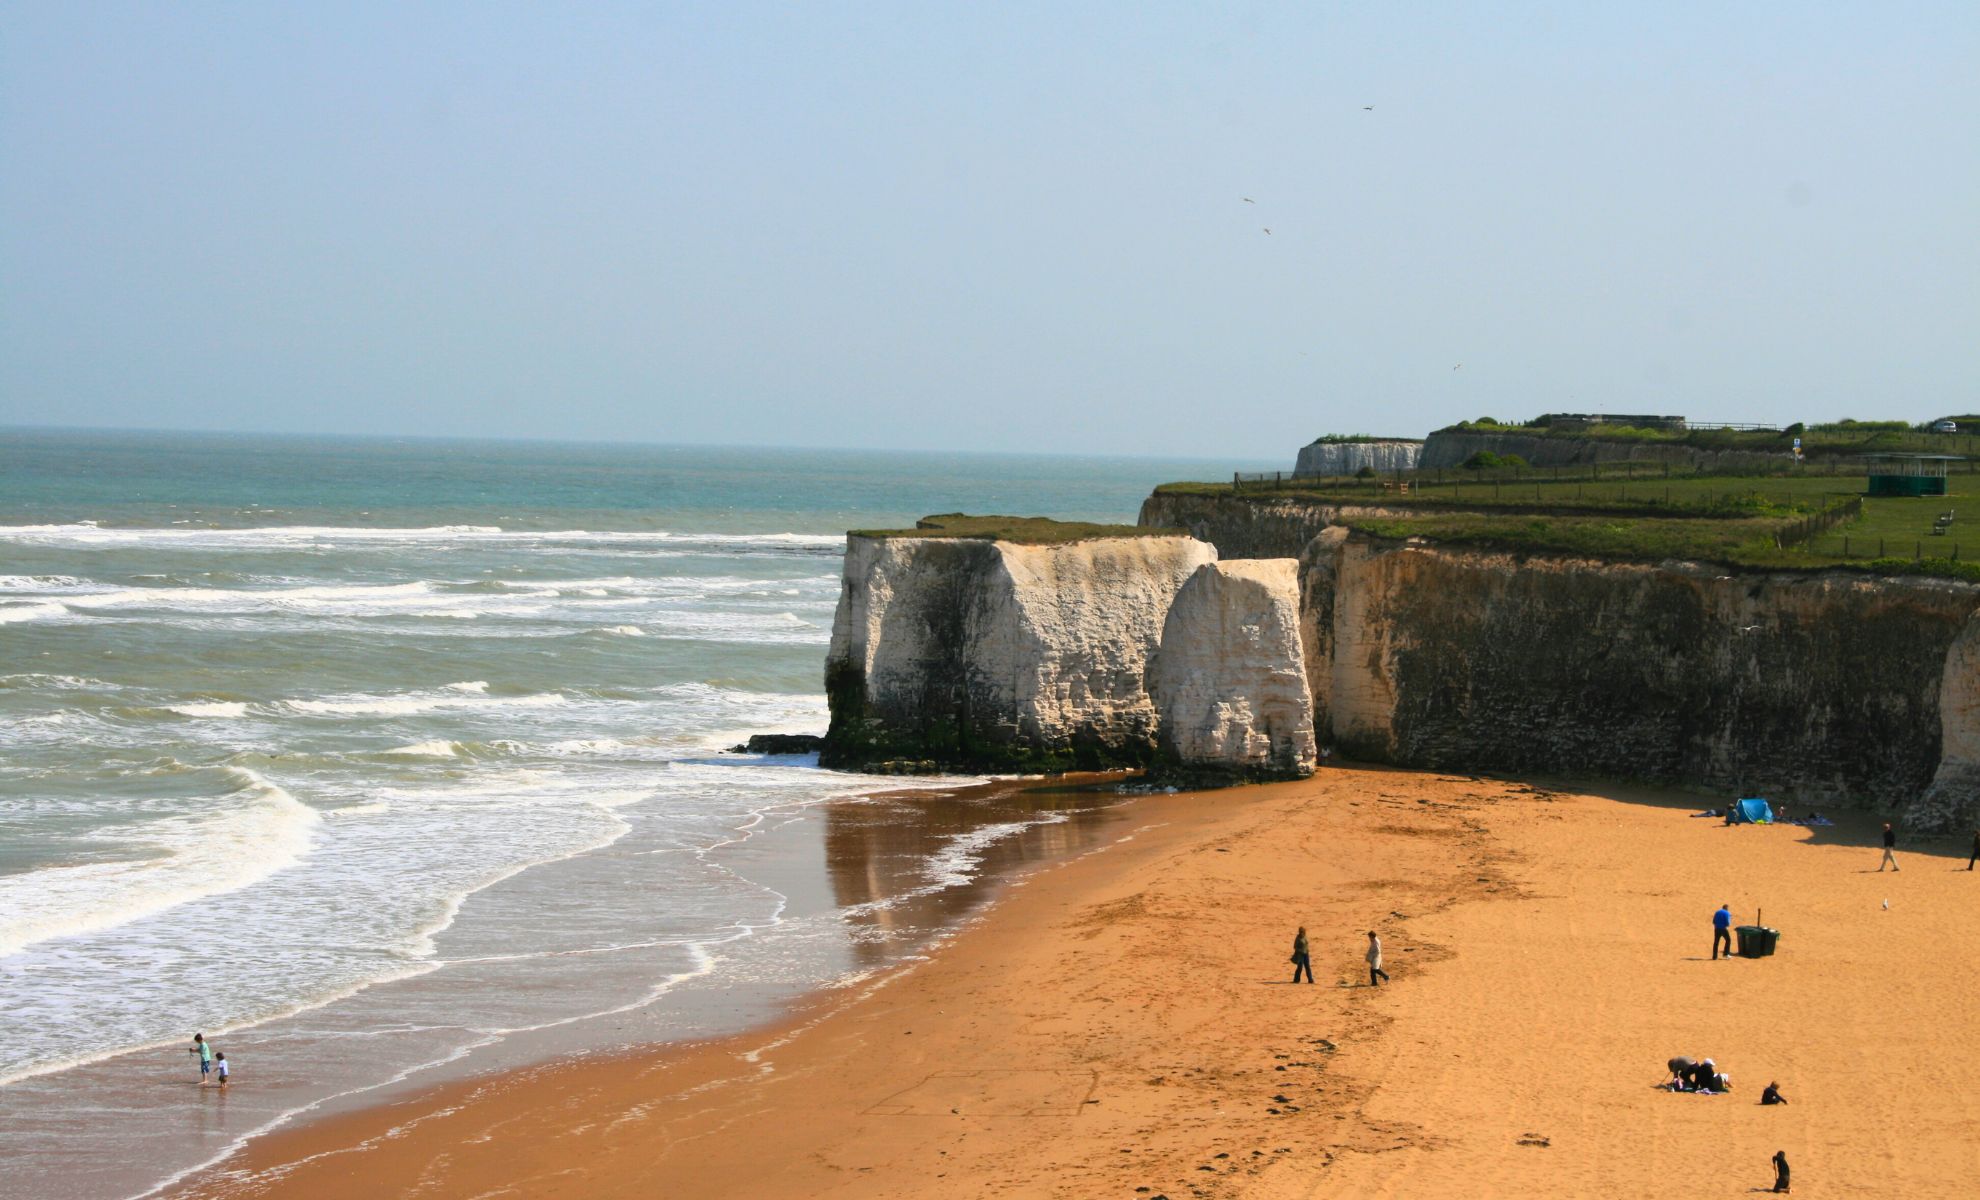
{"type": "Point", "coordinates": [1123, 1022]}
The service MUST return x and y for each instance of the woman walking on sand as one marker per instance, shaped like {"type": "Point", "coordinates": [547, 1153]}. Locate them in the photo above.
{"type": "Point", "coordinates": [1301, 961]}
{"type": "Point", "coordinates": [1375, 960]}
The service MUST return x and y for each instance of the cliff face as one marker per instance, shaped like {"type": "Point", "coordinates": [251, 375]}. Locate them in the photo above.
{"type": "Point", "coordinates": [1952, 802]}
{"type": "Point", "coordinates": [969, 653]}
{"type": "Point", "coordinates": [1813, 689]}
{"type": "Point", "coordinates": [1229, 681]}
{"type": "Point", "coordinates": [1345, 458]}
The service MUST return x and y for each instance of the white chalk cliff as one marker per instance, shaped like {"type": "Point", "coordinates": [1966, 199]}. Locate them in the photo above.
{"type": "Point", "coordinates": [1229, 681]}
{"type": "Point", "coordinates": [995, 654]}
{"type": "Point", "coordinates": [1345, 458]}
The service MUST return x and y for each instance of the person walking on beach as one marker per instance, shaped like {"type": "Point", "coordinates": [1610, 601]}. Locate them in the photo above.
{"type": "Point", "coordinates": [1781, 1172]}
{"type": "Point", "coordinates": [1890, 843]}
{"type": "Point", "coordinates": [1722, 922]}
{"type": "Point", "coordinates": [204, 1049]}
{"type": "Point", "coordinates": [1375, 971]}
{"type": "Point", "coordinates": [1976, 850]}
{"type": "Point", "coordinates": [1301, 961]}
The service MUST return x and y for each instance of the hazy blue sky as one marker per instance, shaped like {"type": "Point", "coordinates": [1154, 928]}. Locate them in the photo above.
{"type": "Point", "coordinates": [989, 226]}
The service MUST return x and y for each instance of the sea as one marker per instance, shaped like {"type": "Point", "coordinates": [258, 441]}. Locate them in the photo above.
{"type": "Point", "coordinates": [382, 762]}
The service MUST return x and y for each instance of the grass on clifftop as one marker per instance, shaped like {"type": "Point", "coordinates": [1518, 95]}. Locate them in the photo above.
{"type": "Point", "coordinates": [1712, 518]}
{"type": "Point", "coordinates": [1028, 531]}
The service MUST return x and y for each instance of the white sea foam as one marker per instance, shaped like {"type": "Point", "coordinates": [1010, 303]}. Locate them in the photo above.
{"type": "Point", "coordinates": [14, 613]}
{"type": "Point", "coordinates": [38, 583]}
{"type": "Point", "coordinates": [410, 705]}
{"type": "Point", "coordinates": [624, 630]}
{"type": "Point", "coordinates": [430, 749]}
{"type": "Point", "coordinates": [250, 834]}
{"type": "Point", "coordinates": [225, 709]}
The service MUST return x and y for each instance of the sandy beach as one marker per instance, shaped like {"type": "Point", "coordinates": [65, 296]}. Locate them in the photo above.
{"type": "Point", "coordinates": [1122, 1024]}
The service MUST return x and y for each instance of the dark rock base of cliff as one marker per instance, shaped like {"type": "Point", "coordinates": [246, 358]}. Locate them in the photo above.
{"type": "Point", "coordinates": [780, 743]}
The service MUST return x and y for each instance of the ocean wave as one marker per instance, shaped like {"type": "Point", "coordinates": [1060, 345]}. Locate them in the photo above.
{"type": "Point", "coordinates": [429, 749]}
{"type": "Point", "coordinates": [783, 628]}
{"type": "Point", "coordinates": [39, 583]}
{"type": "Point", "coordinates": [258, 830]}
{"type": "Point", "coordinates": [407, 705]}
{"type": "Point", "coordinates": [224, 709]}
{"type": "Point", "coordinates": [622, 631]}
{"type": "Point", "coordinates": [42, 680]}
{"type": "Point", "coordinates": [15, 613]}
{"type": "Point", "coordinates": [89, 533]}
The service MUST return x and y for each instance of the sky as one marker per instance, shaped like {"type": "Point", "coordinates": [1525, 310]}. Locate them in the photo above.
{"type": "Point", "coordinates": [1147, 228]}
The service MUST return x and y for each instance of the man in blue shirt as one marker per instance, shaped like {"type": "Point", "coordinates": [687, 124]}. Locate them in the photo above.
{"type": "Point", "coordinates": [1722, 931]}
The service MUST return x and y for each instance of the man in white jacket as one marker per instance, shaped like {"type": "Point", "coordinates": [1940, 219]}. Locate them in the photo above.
{"type": "Point", "coordinates": [1376, 975]}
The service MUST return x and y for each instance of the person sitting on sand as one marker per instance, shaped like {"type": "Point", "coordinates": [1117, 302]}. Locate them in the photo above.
{"type": "Point", "coordinates": [1781, 1172]}
{"type": "Point", "coordinates": [1681, 1068]}
{"type": "Point", "coordinates": [1773, 1095]}
{"type": "Point", "coordinates": [1301, 961]}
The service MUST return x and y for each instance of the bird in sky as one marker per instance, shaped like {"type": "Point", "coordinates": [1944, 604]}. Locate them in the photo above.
{"type": "Point", "coordinates": [1247, 200]}
{"type": "Point", "coordinates": [1455, 368]}
{"type": "Point", "coordinates": [1368, 108]}
{"type": "Point", "coordinates": [1268, 233]}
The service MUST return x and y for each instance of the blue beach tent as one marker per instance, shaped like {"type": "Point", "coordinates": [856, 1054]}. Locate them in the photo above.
{"type": "Point", "coordinates": [1751, 811]}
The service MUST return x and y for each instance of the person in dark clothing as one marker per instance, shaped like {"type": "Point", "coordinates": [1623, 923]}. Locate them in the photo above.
{"type": "Point", "coordinates": [1300, 959]}
{"type": "Point", "coordinates": [1722, 930]}
{"type": "Point", "coordinates": [1976, 850]}
{"type": "Point", "coordinates": [1773, 1095]}
{"type": "Point", "coordinates": [1781, 1171]}
{"type": "Point", "coordinates": [1681, 1068]}
{"type": "Point", "coordinates": [1890, 843]}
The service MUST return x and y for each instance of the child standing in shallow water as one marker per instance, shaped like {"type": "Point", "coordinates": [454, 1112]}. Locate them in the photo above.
{"type": "Point", "coordinates": [220, 1068]}
{"type": "Point", "coordinates": [204, 1049]}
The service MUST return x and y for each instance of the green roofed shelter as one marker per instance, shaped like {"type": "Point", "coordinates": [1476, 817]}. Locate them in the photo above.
{"type": "Point", "coordinates": [1909, 474]}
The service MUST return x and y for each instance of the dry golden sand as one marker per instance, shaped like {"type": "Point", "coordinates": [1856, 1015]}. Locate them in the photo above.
{"type": "Point", "coordinates": [1123, 1022]}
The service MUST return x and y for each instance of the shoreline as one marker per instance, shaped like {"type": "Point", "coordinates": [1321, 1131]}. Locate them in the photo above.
{"type": "Point", "coordinates": [900, 866]}
{"type": "Point", "coordinates": [1120, 1020]}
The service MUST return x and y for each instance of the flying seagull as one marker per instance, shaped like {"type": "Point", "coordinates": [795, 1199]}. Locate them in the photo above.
{"type": "Point", "coordinates": [1268, 233]}
{"type": "Point", "coordinates": [1247, 200]}
{"type": "Point", "coordinates": [1455, 368]}
{"type": "Point", "coordinates": [1368, 108]}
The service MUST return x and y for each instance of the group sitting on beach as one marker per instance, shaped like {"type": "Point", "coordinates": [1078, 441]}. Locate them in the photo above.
{"type": "Point", "coordinates": [1695, 1075]}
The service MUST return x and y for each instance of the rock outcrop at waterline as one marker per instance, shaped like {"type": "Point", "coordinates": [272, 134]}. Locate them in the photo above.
{"type": "Point", "coordinates": [979, 654]}
{"type": "Point", "coordinates": [1229, 682]}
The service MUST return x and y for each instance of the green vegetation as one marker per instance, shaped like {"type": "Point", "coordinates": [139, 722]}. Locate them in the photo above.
{"type": "Point", "coordinates": [1029, 531]}
{"type": "Point", "coordinates": [1646, 515]}
{"type": "Point", "coordinates": [1342, 439]}
{"type": "Point", "coordinates": [1485, 459]}
{"type": "Point", "coordinates": [1834, 437]}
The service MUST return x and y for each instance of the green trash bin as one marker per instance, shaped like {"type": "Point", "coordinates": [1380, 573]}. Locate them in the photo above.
{"type": "Point", "coordinates": [1757, 941]}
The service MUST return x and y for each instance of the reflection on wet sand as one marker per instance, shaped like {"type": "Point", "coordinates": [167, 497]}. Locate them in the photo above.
{"type": "Point", "coordinates": [903, 865]}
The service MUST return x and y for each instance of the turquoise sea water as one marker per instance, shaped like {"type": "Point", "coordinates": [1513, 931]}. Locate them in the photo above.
{"type": "Point", "coordinates": [381, 752]}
